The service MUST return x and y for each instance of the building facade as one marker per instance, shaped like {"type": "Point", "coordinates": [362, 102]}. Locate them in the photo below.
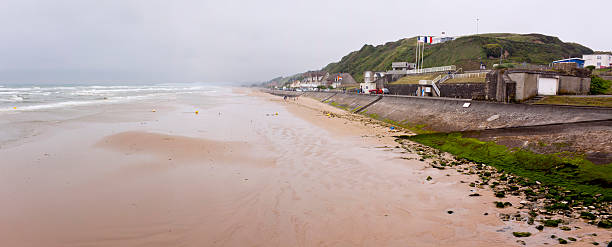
{"type": "Point", "coordinates": [598, 60]}
{"type": "Point", "coordinates": [575, 62]}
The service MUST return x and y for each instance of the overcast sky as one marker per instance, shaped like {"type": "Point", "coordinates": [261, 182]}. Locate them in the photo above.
{"type": "Point", "coordinates": [140, 41]}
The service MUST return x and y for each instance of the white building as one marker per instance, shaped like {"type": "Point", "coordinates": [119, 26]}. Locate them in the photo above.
{"type": "Point", "coordinates": [442, 38]}
{"type": "Point", "coordinates": [598, 60]}
{"type": "Point", "coordinates": [367, 86]}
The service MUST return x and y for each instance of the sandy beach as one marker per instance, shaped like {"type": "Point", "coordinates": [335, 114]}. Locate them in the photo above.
{"type": "Point", "coordinates": [238, 168]}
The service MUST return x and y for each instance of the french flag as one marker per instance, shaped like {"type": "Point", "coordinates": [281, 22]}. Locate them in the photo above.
{"type": "Point", "coordinates": [425, 39]}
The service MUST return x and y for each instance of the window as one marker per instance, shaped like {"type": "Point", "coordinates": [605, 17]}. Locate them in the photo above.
{"type": "Point", "coordinates": [599, 57]}
{"type": "Point", "coordinates": [598, 64]}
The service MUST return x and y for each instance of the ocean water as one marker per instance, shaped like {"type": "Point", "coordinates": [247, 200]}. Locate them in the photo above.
{"type": "Point", "coordinates": [15, 99]}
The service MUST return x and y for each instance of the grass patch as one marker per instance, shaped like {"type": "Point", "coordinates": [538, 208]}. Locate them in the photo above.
{"type": "Point", "coordinates": [575, 173]}
{"type": "Point", "coordinates": [339, 106]}
{"type": "Point", "coordinates": [579, 101]}
{"type": "Point", "coordinates": [466, 80]}
{"type": "Point", "coordinates": [414, 79]}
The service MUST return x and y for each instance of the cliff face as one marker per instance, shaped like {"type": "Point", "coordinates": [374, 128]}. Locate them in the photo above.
{"type": "Point", "coordinates": [466, 52]}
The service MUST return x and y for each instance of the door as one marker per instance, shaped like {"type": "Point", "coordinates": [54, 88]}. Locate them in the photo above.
{"type": "Point", "coordinates": [547, 86]}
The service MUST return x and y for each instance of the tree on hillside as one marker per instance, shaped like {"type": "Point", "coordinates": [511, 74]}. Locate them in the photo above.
{"type": "Point", "coordinates": [492, 50]}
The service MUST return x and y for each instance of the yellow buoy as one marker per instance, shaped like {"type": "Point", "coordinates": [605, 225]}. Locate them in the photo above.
{"type": "Point", "coordinates": [15, 108]}
{"type": "Point", "coordinates": [196, 112]}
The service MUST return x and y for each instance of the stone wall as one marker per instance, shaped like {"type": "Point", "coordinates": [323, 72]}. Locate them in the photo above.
{"type": "Point", "coordinates": [402, 89]}
{"type": "Point", "coordinates": [526, 85]}
{"type": "Point", "coordinates": [445, 114]}
{"type": "Point", "coordinates": [352, 102]}
{"type": "Point", "coordinates": [463, 90]}
{"type": "Point", "coordinates": [450, 90]}
{"type": "Point", "coordinates": [574, 85]}
{"type": "Point", "coordinates": [502, 86]}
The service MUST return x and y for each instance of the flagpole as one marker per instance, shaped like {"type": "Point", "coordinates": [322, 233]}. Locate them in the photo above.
{"type": "Point", "coordinates": [416, 48]}
{"type": "Point", "coordinates": [422, 53]}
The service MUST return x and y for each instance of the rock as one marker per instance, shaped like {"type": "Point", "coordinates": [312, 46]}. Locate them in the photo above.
{"type": "Point", "coordinates": [500, 194]}
{"type": "Point", "coordinates": [604, 224]}
{"type": "Point", "coordinates": [449, 212]}
{"type": "Point", "coordinates": [587, 215]}
{"type": "Point", "coordinates": [571, 239]}
{"type": "Point", "coordinates": [540, 227]}
{"type": "Point", "coordinates": [562, 241]}
{"type": "Point", "coordinates": [524, 202]}
{"type": "Point", "coordinates": [475, 194]}
{"type": "Point", "coordinates": [551, 223]}
{"type": "Point", "coordinates": [493, 118]}
{"type": "Point", "coordinates": [521, 234]}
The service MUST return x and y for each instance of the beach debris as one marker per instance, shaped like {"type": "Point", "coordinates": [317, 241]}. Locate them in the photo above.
{"type": "Point", "coordinates": [153, 110]}
{"type": "Point", "coordinates": [428, 178]}
{"type": "Point", "coordinates": [14, 108]}
{"type": "Point", "coordinates": [391, 128]}
{"type": "Point", "coordinates": [196, 112]}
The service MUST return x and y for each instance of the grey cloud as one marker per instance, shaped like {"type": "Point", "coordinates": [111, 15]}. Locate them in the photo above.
{"type": "Point", "coordinates": [212, 41]}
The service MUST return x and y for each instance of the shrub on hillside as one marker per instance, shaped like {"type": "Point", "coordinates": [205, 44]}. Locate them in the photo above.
{"type": "Point", "coordinates": [599, 85]}
{"type": "Point", "coordinates": [492, 50]}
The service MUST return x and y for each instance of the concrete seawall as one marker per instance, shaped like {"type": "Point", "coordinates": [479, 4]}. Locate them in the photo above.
{"type": "Point", "coordinates": [352, 102]}
{"type": "Point", "coordinates": [445, 114]}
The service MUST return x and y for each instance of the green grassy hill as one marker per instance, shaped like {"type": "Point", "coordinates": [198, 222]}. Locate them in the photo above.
{"type": "Point", "coordinates": [465, 52]}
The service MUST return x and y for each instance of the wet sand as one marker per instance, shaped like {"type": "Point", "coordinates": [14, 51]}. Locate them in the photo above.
{"type": "Point", "coordinates": [236, 174]}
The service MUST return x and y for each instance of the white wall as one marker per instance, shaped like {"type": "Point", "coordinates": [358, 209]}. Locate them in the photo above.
{"type": "Point", "coordinates": [604, 59]}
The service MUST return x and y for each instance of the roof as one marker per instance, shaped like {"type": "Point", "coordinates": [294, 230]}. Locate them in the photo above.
{"type": "Point", "coordinates": [569, 60]}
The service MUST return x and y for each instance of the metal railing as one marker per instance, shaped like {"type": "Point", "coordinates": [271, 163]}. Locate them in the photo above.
{"type": "Point", "coordinates": [436, 89]}
{"type": "Point", "coordinates": [423, 71]}
{"type": "Point", "coordinates": [471, 75]}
